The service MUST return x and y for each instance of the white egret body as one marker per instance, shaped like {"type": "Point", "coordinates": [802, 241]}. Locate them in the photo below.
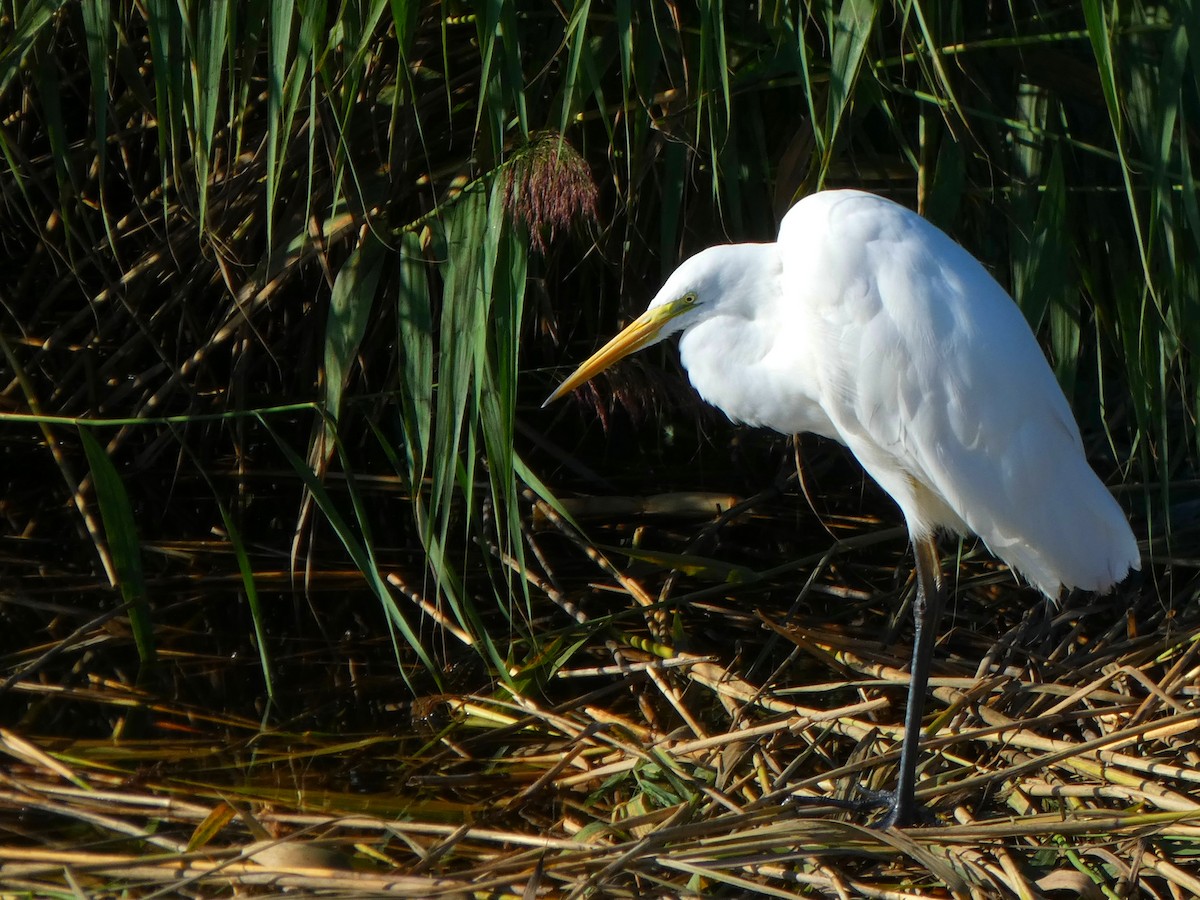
{"type": "Point", "coordinates": [866, 324]}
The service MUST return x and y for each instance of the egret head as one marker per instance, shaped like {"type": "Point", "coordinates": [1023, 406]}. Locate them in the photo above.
{"type": "Point", "coordinates": [696, 284]}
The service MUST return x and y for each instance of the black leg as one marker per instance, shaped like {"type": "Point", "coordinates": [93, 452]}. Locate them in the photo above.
{"type": "Point", "coordinates": [927, 610]}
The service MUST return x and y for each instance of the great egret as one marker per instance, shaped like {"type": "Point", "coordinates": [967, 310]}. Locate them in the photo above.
{"type": "Point", "coordinates": [866, 324]}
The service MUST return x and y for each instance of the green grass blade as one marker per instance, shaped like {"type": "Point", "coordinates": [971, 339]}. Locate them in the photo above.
{"type": "Point", "coordinates": [250, 587]}
{"type": "Point", "coordinates": [165, 28]}
{"type": "Point", "coordinates": [502, 98]}
{"type": "Point", "coordinates": [498, 399]}
{"type": "Point", "coordinates": [464, 305]}
{"type": "Point", "coordinates": [30, 22]}
{"type": "Point", "coordinates": [98, 27]}
{"type": "Point", "coordinates": [120, 529]}
{"type": "Point", "coordinates": [360, 552]}
{"type": "Point", "coordinates": [810, 82]}
{"type": "Point", "coordinates": [531, 478]}
{"type": "Point", "coordinates": [849, 38]}
{"type": "Point", "coordinates": [279, 41]}
{"type": "Point", "coordinates": [1096, 16]}
{"type": "Point", "coordinates": [404, 20]}
{"type": "Point", "coordinates": [931, 44]}
{"type": "Point", "coordinates": [350, 306]}
{"type": "Point", "coordinates": [50, 89]}
{"type": "Point", "coordinates": [576, 39]}
{"type": "Point", "coordinates": [415, 334]}
{"type": "Point", "coordinates": [249, 584]}
{"type": "Point", "coordinates": [208, 60]}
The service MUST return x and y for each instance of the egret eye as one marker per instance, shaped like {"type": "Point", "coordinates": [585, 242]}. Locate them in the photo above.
{"type": "Point", "coordinates": [866, 324]}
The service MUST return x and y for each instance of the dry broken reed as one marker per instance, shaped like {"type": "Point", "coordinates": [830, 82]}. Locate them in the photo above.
{"type": "Point", "coordinates": [221, 232]}
{"type": "Point", "coordinates": [684, 742]}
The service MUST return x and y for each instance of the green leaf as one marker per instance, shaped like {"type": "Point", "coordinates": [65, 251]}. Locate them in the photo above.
{"type": "Point", "coordinates": [498, 399]}
{"type": "Point", "coordinates": [576, 40]}
{"type": "Point", "coordinates": [165, 28]}
{"type": "Point", "coordinates": [361, 552]}
{"type": "Point", "coordinates": [249, 584]}
{"type": "Point", "coordinates": [414, 333]}
{"type": "Point", "coordinates": [349, 311]}
{"type": "Point", "coordinates": [121, 533]}
{"type": "Point", "coordinates": [849, 48]}
{"type": "Point", "coordinates": [1098, 33]}
{"type": "Point", "coordinates": [279, 42]}
{"type": "Point", "coordinates": [211, 39]}
{"type": "Point", "coordinates": [98, 28]}
{"type": "Point", "coordinates": [465, 302]}
{"type": "Point", "coordinates": [30, 21]}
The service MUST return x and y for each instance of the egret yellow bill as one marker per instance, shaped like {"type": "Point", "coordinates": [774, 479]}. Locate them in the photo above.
{"type": "Point", "coordinates": [866, 324]}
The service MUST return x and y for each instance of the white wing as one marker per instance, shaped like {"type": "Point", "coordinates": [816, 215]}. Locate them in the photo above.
{"type": "Point", "coordinates": [933, 379]}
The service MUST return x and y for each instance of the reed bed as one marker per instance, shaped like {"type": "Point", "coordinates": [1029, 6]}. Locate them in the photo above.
{"type": "Point", "coordinates": [301, 591]}
{"type": "Point", "coordinates": [695, 759]}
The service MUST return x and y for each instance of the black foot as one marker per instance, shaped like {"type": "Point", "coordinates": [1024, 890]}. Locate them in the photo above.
{"type": "Point", "coordinates": [868, 802]}
{"type": "Point", "coordinates": [853, 806]}
{"type": "Point", "coordinates": [894, 815]}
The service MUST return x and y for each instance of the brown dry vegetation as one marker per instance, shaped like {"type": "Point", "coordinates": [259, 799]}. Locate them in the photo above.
{"type": "Point", "coordinates": [302, 592]}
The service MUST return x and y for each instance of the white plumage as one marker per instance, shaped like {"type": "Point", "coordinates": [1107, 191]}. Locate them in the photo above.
{"type": "Point", "coordinates": [868, 325]}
